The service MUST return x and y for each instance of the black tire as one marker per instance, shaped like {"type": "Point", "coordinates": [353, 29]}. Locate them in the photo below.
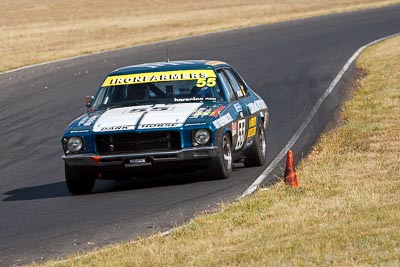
{"type": "Point", "coordinates": [78, 182]}
{"type": "Point", "coordinates": [257, 153]}
{"type": "Point", "coordinates": [221, 167]}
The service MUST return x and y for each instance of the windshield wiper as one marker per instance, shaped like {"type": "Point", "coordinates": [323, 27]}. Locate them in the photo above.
{"type": "Point", "coordinates": [136, 103]}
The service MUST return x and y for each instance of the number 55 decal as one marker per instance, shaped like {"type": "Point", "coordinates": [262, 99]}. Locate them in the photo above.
{"type": "Point", "coordinates": [210, 82]}
{"type": "Point", "coordinates": [241, 133]}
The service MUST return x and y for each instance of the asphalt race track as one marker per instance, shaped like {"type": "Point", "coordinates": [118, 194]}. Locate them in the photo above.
{"type": "Point", "coordinates": [289, 64]}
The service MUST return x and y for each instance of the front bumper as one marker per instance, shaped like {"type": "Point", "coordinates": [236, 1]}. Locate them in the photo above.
{"type": "Point", "coordinates": [187, 154]}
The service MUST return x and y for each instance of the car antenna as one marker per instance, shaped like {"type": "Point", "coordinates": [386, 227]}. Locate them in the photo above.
{"type": "Point", "coordinates": [167, 54]}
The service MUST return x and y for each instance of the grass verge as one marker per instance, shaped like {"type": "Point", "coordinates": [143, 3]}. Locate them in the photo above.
{"type": "Point", "coordinates": [37, 31]}
{"type": "Point", "coordinates": [347, 211]}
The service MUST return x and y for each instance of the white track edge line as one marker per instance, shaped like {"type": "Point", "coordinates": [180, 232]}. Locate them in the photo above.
{"type": "Point", "coordinates": [255, 185]}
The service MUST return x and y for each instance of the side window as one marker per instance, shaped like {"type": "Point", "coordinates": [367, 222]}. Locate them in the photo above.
{"type": "Point", "coordinates": [237, 85]}
{"type": "Point", "coordinates": [229, 90]}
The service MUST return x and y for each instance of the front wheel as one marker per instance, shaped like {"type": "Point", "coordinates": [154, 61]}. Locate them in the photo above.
{"type": "Point", "coordinates": [78, 182]}
{"type": "Point", "coordinates": [257, 153]}
{"type": "Point", "coordinates": [221, 166]}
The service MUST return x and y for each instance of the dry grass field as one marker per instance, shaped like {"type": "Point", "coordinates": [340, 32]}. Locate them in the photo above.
{"type": "Point", "coordinates": [346, 213]}
{"type": "Point", "coordinates": [35, 31]}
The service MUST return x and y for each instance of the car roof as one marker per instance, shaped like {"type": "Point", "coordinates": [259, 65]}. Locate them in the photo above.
{"type": "Point", "coordinates": [169, 66]}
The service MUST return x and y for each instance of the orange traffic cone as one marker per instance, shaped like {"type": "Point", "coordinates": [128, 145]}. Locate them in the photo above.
{"type": "Point", "coordinates": [290, 171]}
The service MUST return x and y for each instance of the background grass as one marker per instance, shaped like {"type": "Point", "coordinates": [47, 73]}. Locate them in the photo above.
{"type": "Point", "coordinates": [35, 31]}
{"type": "Point", "coordinates": [346, 213]}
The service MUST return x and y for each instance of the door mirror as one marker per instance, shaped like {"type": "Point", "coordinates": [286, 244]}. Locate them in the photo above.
{"type": "Point", "coordinates": [88, 100]}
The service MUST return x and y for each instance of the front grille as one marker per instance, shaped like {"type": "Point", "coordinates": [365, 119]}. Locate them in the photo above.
{"type": "Point", "coordinates": [138, 142]}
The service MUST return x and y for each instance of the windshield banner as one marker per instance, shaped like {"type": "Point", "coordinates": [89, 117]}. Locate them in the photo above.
{"type": "Point", "coordinates": [163, 76]}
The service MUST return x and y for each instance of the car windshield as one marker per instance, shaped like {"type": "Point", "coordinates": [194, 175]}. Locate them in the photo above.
{"type": "Point", "coordinates": [158, 88]}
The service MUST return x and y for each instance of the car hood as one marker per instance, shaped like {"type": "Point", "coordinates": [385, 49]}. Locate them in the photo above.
{"type": "Point", "coordinates": [146, 117]}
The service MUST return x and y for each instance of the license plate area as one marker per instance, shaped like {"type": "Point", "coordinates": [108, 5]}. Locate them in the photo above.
{"type": "Point", "coordinates": [137, 162]}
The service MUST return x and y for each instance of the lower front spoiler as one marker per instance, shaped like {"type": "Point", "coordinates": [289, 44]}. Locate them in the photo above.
{"type": "Point", "coordinates": [144, 159]}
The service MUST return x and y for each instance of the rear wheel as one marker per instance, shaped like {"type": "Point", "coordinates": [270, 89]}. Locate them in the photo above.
{"type": "Point", "coordinates": [257, 153]}
{"type": "Point", "coordinates": [221, 167]}
{"type": "Point", "coordinates": [79, 182]}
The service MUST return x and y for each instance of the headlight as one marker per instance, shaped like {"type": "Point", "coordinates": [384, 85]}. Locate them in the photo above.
{"type": "Point", "coordinates": [201, 136]}
{"type": "Point", "coordinates": [74, 144]}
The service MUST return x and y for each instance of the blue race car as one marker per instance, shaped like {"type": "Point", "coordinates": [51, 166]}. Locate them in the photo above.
{"type": "Point", "coordinates": [166, 117]}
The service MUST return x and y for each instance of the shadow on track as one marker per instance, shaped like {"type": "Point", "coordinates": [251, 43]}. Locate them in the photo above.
{"type": "Point", "coordinates": [59, 189]}
{"type": "Point", "coordinates": [53, 190]}
{"type": "Point", "coordinates": [148, 182]}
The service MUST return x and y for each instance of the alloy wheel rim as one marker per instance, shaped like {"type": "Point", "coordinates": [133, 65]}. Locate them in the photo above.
{"type": "Point", "coordinates": [262, 143]}
{"type": "Point", "coordinates": [227, 154]}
